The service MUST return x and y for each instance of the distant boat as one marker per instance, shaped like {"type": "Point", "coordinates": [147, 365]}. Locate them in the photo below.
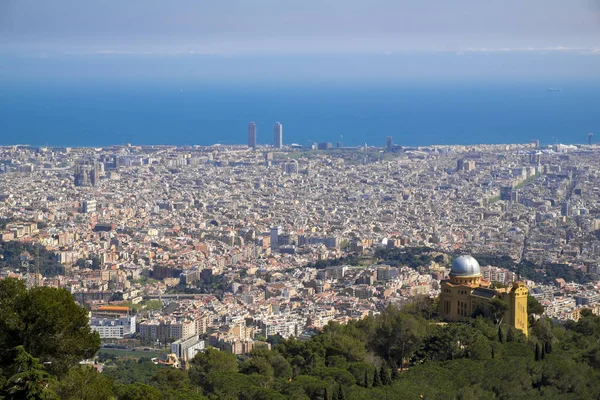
{"type": "Point", "coordinates": [553, 90]}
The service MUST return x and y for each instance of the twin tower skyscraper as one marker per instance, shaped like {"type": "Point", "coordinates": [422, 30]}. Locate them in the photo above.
{"type": "Point", "coordinates": [277, 135]}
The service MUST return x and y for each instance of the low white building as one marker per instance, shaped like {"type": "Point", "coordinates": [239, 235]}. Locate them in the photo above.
{"type": "Point", "coordinates": [285, 327]}
{"type": "Point", "coordinates": [187, 348]}
{"type": "Point", "coordinates": [113, 328]}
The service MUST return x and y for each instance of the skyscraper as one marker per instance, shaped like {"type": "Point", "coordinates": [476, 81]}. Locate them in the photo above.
{"type": "Point", "coordinates": [389, 144]}
{"type": "Point", "coordinates": [278, 135]}
{"type": "Point", "coordinates": [252, 135]}
{"type": "Point", "coordinates": [275, 232]}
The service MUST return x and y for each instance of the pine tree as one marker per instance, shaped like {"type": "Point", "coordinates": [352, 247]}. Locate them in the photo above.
{"type": "Point", "coordinates": [537, 352]}
{"type": "Point", "coordinates": [510, 335]}
{"type": "Point", "coordinates": [340, 394]}
{"type": "Point", "coordinates": [543, 353]}
{"type": "Point", "coordinates": [43, 320]}
{"type": "Point", "coordinates": [30, 381]}
{"type": "Point", "coordinates": [376, 378]}
{"type": "Point", "coordinates": [394, 371]}
{"type": "Point", "coordinates": [384, 373]}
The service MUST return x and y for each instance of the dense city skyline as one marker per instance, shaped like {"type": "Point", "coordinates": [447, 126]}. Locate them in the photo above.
{"type": "Point", "coordinates": [427, 226]}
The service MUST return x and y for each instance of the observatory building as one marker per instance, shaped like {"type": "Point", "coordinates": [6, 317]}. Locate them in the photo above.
{"type": "Point", "coordinates": [465, 293]}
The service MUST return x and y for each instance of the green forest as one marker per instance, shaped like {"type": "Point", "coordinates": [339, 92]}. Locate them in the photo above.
{"type": "Point", "coordinates": [402, 353]}
{"type": "Point", "coordinates": [11, 252]}
{"type": "Point", "coordinates": [416, 257]}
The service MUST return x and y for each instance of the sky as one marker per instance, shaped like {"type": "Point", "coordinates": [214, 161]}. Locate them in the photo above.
{"type": "Point", "coordinates": [229, 38]}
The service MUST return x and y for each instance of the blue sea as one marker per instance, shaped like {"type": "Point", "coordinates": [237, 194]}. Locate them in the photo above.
{"type": "Point", "coordinates": [99, 114]}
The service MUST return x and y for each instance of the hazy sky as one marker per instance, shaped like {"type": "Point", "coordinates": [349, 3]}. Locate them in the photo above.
{"type": "Point", "coordinates": [297, 26]}
{"type": "Point", "coordinates": [298, 38]}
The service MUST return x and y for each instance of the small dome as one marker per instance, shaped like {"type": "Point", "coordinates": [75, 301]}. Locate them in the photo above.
{"type": "Point", "coordinates": [465, 266]}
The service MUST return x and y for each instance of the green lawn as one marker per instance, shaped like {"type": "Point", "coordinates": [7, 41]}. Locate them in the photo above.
{"type": "Point", "coordinates": [129, 353]}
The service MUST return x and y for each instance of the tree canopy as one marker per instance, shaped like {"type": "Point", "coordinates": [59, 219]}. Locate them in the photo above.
{"type": "Point", "coordinates": [12, 251]}
{"type": "Point", "coordinates": [47, 323]}
{"type": "Point", "coordinates": [398, 353]}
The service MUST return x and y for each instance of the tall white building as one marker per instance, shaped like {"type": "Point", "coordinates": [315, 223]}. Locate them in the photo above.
{"type": "Point", "coordinates": [278, 135]}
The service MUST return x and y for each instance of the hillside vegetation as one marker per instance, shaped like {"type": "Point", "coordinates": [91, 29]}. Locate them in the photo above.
{"type": "Point", "coordinates": [397, 354]}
